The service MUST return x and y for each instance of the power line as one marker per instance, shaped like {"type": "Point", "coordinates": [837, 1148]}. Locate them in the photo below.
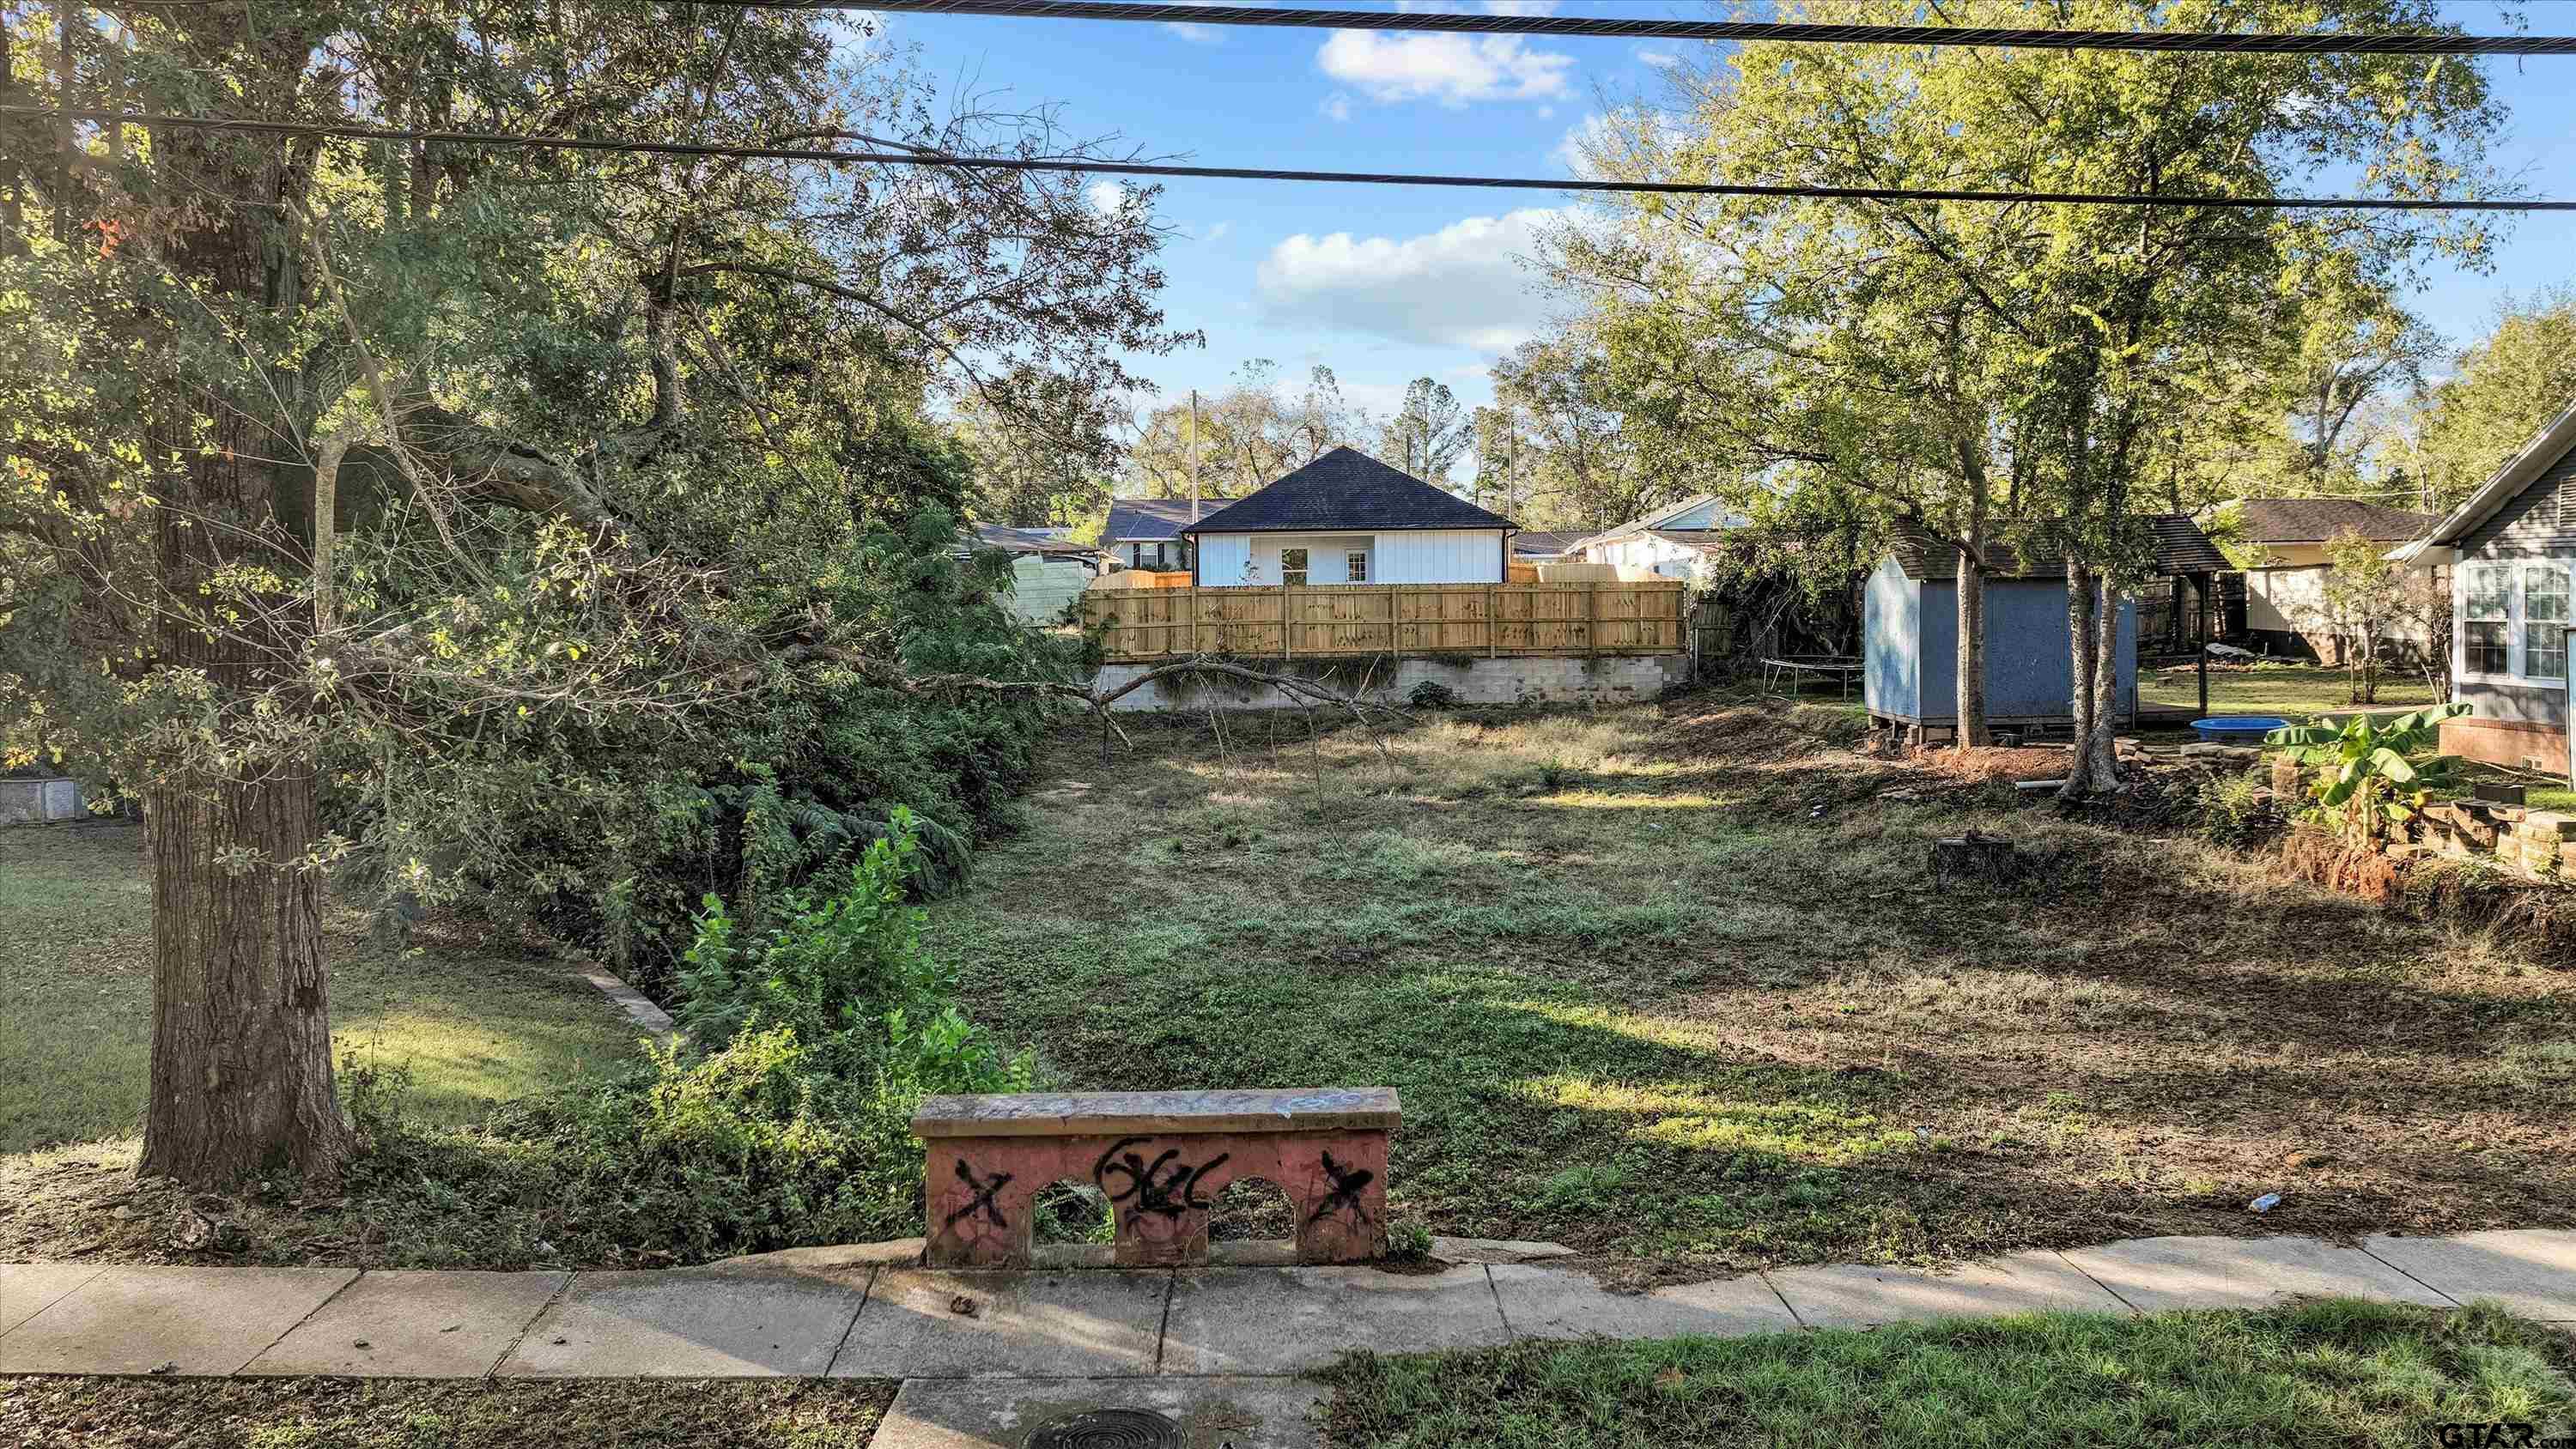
{"type": "Point", "coordinates": [353, 132]}
{"type": "Point", "coordinates": [1780, 31]}
{"type": "Point", "coordinates": [1800, 32]}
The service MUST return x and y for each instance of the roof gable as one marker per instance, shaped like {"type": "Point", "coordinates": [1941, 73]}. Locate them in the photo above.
{"type": "Point", "coordinates": [2555, 438]}
{"type": "Point", "coordinates": [1345, 489]}
{"type": "Point", "coordinates": [1148, 519]}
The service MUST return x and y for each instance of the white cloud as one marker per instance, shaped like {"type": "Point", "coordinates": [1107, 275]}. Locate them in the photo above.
{"type": "Point", "coordinates": [1459, 286]}
{"type": "Point", "coordinates": [1196, 34]}
{"type": "Point", "coordinates": [1659, 59]}
{"type": "Point", "coordinates": [1217, 232]}
{"type": "Point", "coordinates": [1450, 69]}
{"type": "Point", "coordinates": [1336, 107]}
{"type": "Point", "coordinates": [1586, 134]}
{"type": "Point", "coordinates": [1106, 197]}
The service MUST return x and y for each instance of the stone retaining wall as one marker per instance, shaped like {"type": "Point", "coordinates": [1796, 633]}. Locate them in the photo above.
{"type": "Point", "coordinates": [1473, 681]}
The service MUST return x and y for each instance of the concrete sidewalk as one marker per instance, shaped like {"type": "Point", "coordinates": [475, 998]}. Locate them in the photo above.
{"type": "Point", "coordinates": [986, 1355]}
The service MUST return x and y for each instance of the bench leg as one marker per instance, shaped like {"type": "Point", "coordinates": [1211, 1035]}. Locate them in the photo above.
{"type": "Point", "coordinates": [982, 1200]}
{"type": "Point", "coordinates": [1337, 1183]}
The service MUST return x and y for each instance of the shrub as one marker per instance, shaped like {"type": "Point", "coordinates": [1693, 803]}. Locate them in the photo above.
{"type": "Point", "coordinates": [1432, 694]}
{"type": "Point", "coordinates": [2238, 810]}
{"type": "Point", "coordinates": [782, 1117]}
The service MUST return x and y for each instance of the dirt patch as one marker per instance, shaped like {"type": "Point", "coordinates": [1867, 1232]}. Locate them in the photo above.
{"type": "Point", "coordinates": [43, 1413]}
{"type": "Point", "coordinates": [1990, 764]}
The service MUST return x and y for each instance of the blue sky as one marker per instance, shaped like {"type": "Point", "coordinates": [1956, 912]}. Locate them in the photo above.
{"type": "Point", "coordinates": [1385, 284]}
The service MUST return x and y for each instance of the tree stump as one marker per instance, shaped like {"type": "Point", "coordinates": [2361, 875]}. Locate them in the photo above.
{"type": "Point", "coordinates": [1976, 857]}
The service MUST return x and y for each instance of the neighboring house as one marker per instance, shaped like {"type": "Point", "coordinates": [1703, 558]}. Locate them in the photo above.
{"type": "Point", "coordinates": [2511, 549]}
{"type": "Point", "coordinates": [1047, 572]}
{"type": "Point", "coordinates": [1669, 540]}
{"type": "Point", "coordinates": [1145, 533]}
{"type": "Point", "coordinates": [1910, 632]}
{"type": "Point", "coordinates": [1544, 546]}
{"type": "Point", "coordinates": [2285, 591]}
{"type": "Point", "coordinates": [1347, 518]}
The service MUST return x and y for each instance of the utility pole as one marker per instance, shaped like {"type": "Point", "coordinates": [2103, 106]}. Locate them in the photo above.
{"type": "Point", "coordinates": [1192, 544]}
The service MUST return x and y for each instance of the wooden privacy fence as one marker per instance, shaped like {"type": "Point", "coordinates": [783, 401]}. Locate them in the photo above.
{"type": "Point", "coordinates": [1312, 621]}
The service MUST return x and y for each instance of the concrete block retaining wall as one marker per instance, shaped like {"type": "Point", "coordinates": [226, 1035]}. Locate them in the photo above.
{"type": "Point", "coordinates": [1474, 681]}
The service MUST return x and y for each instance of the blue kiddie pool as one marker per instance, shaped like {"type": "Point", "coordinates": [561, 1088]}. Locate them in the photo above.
{"type": "Point", "coordinates": [2239, 729]}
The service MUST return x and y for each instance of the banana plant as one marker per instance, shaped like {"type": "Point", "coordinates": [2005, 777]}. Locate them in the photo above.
{"type": "Point", "coordinates": [2372, 776]}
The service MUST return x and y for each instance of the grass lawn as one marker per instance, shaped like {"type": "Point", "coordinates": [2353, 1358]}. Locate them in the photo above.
{"type": "Point", "coordinates": [2334, 1372]}
{"type": "Point", "coordinates": [40, 1413]}
{"type": "Point", "coordinates": [473, 1026]}
{"type": "Point", "coordinates": [1671, 983]}
{"type": "Point", "coordinates": [2295, 691]}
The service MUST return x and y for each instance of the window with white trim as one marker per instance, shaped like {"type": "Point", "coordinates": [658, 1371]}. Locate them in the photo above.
{"type": "Point", "coordinates": [2514, 619]}
{"type": "Point", "coordinates": [2486, 620]}
{"type": "Point", "coordinates": [1356, 561]}
{"type": "Point", "coordinates": [2544, 621]}
{"type": "Point", "coordinates": [1292, 566]}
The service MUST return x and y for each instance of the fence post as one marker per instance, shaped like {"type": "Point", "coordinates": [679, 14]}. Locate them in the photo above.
{"type": "Point", "coordinates": [1592, 620]}
{"type": "Point", "coordinates": [1287, 640]}
{"type": "Point", "coordinates": [1493, 624]}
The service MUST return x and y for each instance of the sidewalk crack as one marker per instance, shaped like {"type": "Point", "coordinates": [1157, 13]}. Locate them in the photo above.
{"type": "Point", "coordinates": [1784, 1300]}
{"type": "Point", "coordinates": [2096, 1282]}
{"type": "Point", "coordinates": [352, 1282]}
{"type": "Point", "coordinates": [1163, 1332]}
{"type": "Point", "coordinates": [1499, 1311]}
{"type": "Point", "coordinates": [534, 1319]}
{"type": "Point", "coordinates": [867, 1292]}
{"type": "Point", "coordinates": [2363, 1244]}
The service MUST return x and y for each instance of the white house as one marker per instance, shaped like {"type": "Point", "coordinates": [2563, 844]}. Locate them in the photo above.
{"type": "Point", "coordinates": [1048, 572]}
{"type": "Point", "coordinates": [1669, 540]}
{"type": "Point", "coordinates": [1347, 518]}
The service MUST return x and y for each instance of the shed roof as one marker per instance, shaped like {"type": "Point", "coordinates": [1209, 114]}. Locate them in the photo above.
{"type": "Point", "coordinates": [1148, 519]}
{"type": "Point", "coordinates": [1539, 543]}
{"type": "Point", "coordinates": [1346, 488]}
{"type": "Point", "coordinates": [2314, 520]}
{"type": "Point", "coordinates": [2180, 548]}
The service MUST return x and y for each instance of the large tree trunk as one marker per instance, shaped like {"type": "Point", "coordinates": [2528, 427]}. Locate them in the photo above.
{"type": "Point", "coordinates": [241, 1024]}
{"type": "Point", "coordinates": [1972, 605]}
{"type": "Point", "coordinates": [241, 1037]}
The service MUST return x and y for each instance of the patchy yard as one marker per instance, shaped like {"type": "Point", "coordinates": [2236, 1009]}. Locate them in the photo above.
{"type": "Point", "coordinates": [472, 1026]}
{"type": "Point", "coordinates": [1671, 983]}
{"type": "Point", "coordinates": [2296, 691]}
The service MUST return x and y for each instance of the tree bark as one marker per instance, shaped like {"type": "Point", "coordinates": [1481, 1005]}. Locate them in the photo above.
{"type": "Point", "coordinates": [241, 1022]}
{"type": "Point", "coordinates": [2101, 748]}
{"type": "Point", "coordinates": [2083, 644]}
{"type": "Point", "coordinates": [1972, 604]}
{"type": "Point", "coordinates": [241, 1035]}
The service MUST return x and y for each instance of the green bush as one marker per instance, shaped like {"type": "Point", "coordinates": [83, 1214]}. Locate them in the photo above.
{"type": "Point", "coordinates": [1432, 694]}
{"type": "Point", "coordinates": [782, 1117]}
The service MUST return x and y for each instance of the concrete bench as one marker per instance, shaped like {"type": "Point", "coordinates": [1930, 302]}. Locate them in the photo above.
{"type": "Point", "coordinates": [1162, 1159]}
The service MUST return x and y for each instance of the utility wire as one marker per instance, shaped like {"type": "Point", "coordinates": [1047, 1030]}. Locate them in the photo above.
{"type": "Point", "coordinates": [1799, 32]}
{"type": "Point", "coordinates": [354, 132]}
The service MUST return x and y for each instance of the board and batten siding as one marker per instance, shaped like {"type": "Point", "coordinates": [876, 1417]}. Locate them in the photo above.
{"type": "Point", "coordinates": [1413, 556]}
{"type": "Point", "coordinates": [2536, 525]}
{"type": "Point", "coordinates": [1892, 643]}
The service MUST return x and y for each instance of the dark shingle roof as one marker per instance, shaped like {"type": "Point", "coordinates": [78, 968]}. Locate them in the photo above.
{"type": "Point", "coordinates": [1546, 542]}
{"type": "Point", "coordinates": [2180, 548]}
{"type": "Point", "coordinates": [2314, 520]}
{"type": "Point", "coordinates": [1346, 489]}
{"type": "Point", "coordinates": [1151, 518]}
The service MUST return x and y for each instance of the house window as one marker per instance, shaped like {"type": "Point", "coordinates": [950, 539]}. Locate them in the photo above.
{"type": "Point", "coordinates": [2486, 623]}
{"type": "Point", "coordinates": [1292, 566]}
{"type": "Point", "coordinates": [2544, 621]}
{"type": "Point", "coordinates": [1357, 561]}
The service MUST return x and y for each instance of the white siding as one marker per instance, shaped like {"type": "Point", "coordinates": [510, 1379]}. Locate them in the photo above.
{"type": "Point", "coordinates": [1418, 556]}
{"type": "Point", "coordinates": [1439, 556]}
{"type": "Point", "coordinates": [1223, 557]}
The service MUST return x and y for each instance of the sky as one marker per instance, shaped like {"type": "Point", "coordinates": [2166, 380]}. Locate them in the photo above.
{"type": "Point", "coordinates": [1386, 284]}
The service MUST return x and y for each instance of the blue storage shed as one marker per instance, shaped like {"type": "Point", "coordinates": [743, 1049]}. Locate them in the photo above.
{"type": "Point", "coordinates": [1910, 632]}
